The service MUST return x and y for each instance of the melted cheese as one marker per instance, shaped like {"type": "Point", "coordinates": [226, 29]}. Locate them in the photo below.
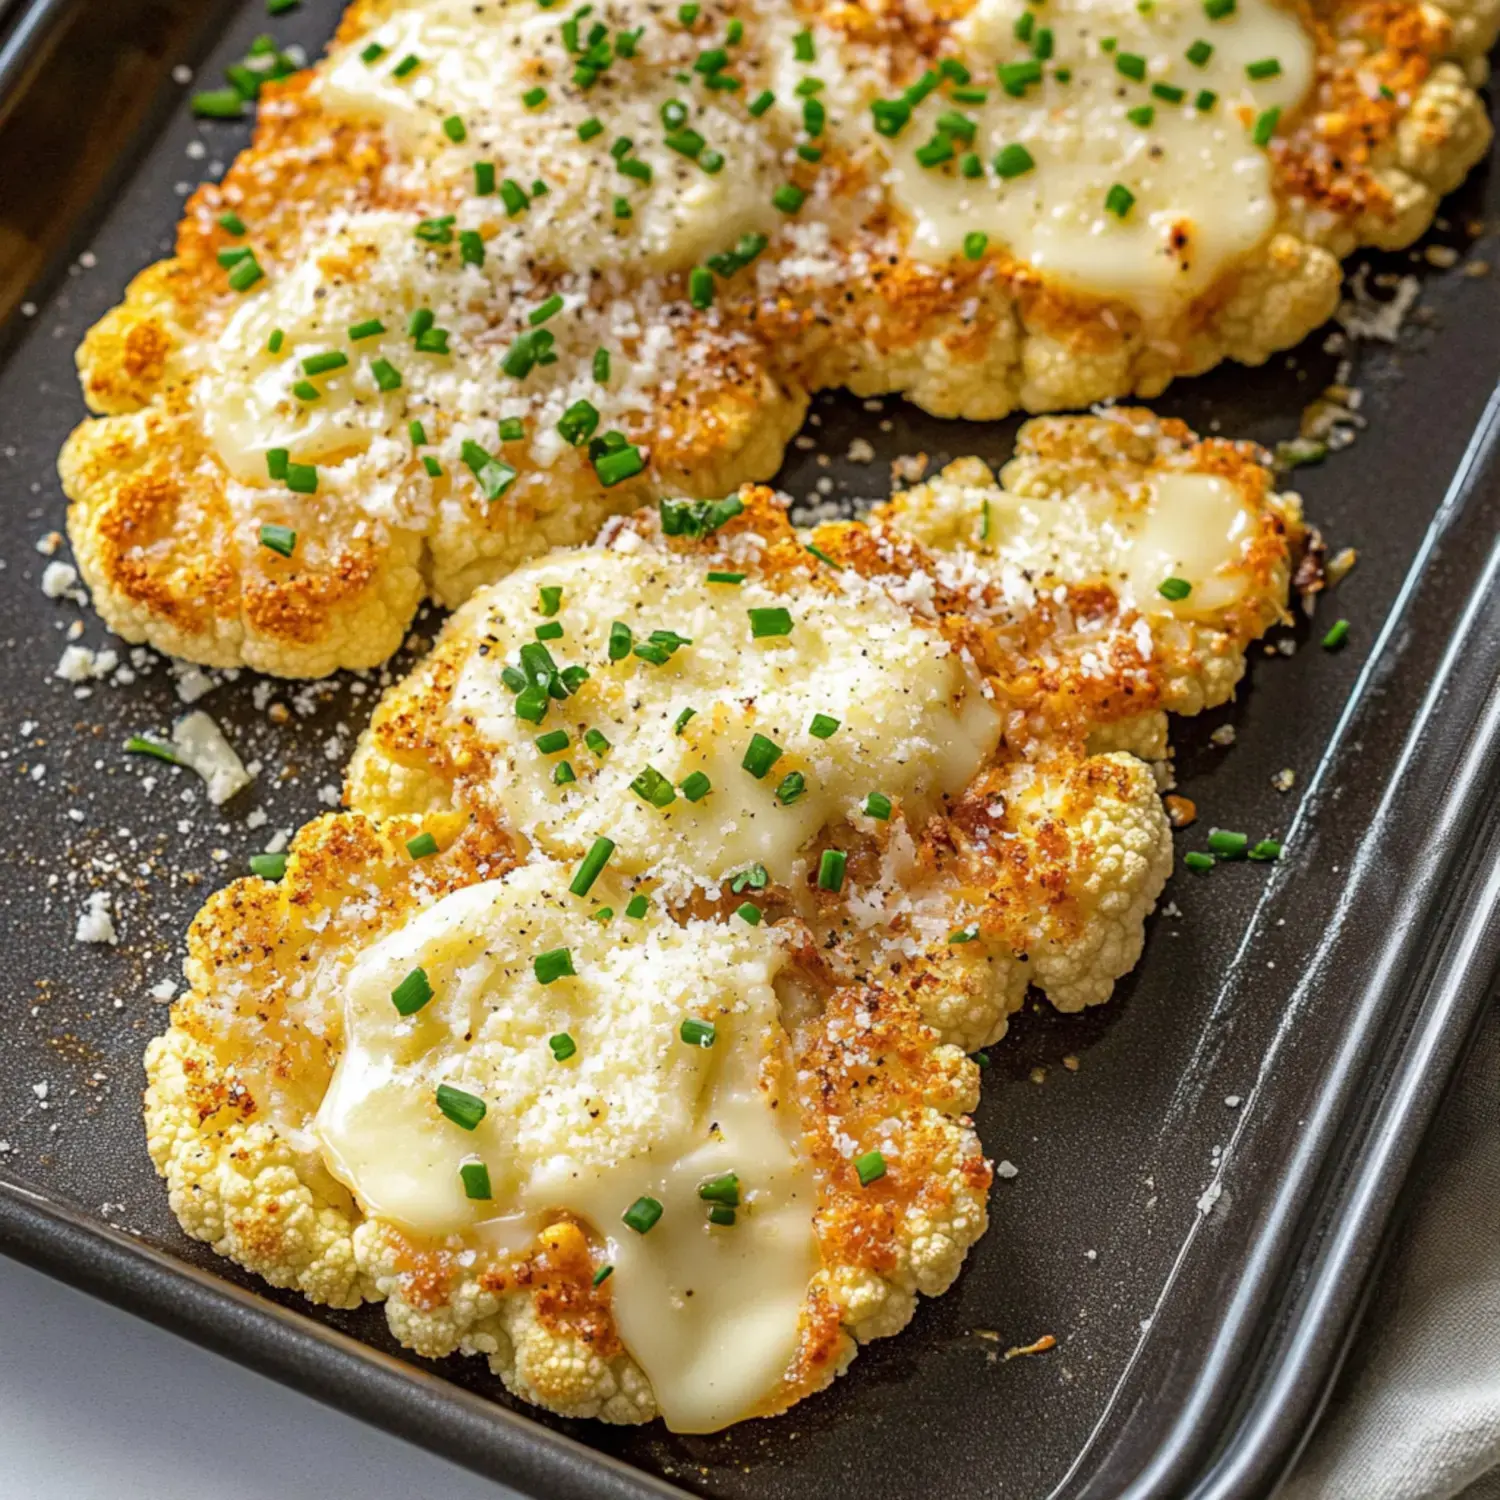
{"type": "Point", "coordinates": [912, 721]}
{"type": "Point", "coordinates": [1202, 186]}
{"type": "Point", "coordinates": [478, 61]}
{"type": "Point", "coordinates": [710, 1314]}
{"type": "Point", "coordinates": [1186, 524]}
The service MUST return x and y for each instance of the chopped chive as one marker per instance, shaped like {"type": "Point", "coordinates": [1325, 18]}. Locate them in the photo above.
{"type": "Point", "coordinates": [1168, 92]}
{"type": "Point", "coordinates": [372, 54]}
{"type": "Point", "coordinates": [696, 787]}
{"type": "Point", "coordinates": [878, 805]}
{"type": "Point", "coordinates": [1264, 67]}
{"type": "Point", "coordinates": [1025, 24]}
{"type": "Point", "coordinates": [554, 964]}
{"type": "Point", "coordinates": [533, 97]}
{"type": "Point", "coordinates": [553, 741]}
{"type": "Point", "coordinates": [975, 244]}
{"type": "Point", "coordinates": [754, 879]}
{"type": "Point", "coordinates": [1338, 633]}
{"type": "Point", "coordinates": [563, 773]}
{"type": "Point", "coordinates": [749, 912]}
{"type": "Point", "coordinates": [831, 866]}
{"type": "Point", "coordinates": [531, 703]}
{"type": "Point", "coordinates": [623, 463]}
{"type": "Point", "coordinates": [219, 104]}
{"type": "Point", "coordinates": [725, 1189]}
{"type": "Point", "coordinates": [408, 64]}
{"type": "Point", "coordinates": [697, 1033]}
{"type": "Point", "coordinates": [814, 116]}
{"type": "Point", "coordinates": [305, 390]}
{"type": "Point", "coordinates": [637, 907]}
{"type": "Point", "coordinates": [453, 128]}
{"type": "Point", "coordinates": [1265, 126]}
{"type": "Point", "coordinates": [1199, 53]}
{"type": "Point", "coordinates": [891, 116]}
{"type": "Point", "coordinates": [471, 247]}
{"type": "Point", "coordinates": [592, 866]}
{"type": "Point", "coordinates": [1013, 161]}
{"type": "Point", "coordinates": [139, 745]}
{"type": "Point", "coordinates": [549, 596]}
{"type": "Point", "coordinates": [1204, 100]}
{"type": "Point", "coordinates": [802, 47]}
{"type": "Point", "coordinates": [935, 152]}
{"type": "Point", "coordinates": [1216, 10]}
{"type": "Point", "coordinates": [822, 556]}
{"type": "Point", "coordinates": [544, 310]}
{"type": "Point", "coordinates": [464, 1109]}
{"type": "Point", "coordinates": [421, 846]}
{"type": "Point", "coordinates": [1142, 115]}
{"type": "Point", "coordinates": [761, 103]}
{"type": "Point", "coordinates": [1015, 78]}
{"type": "Point", "coordinates": [717, 577]}
{"type": "Point", "coordinates": [433, 467]}
{"type": "Point", "coordinates": [971, 166]}
{"type": "Point", "coordinates": [1131, 64]}
{"type": "Point", "coordinates": [245, 273]}
{"type": "Point", "coordinates": [590, 128]}
{"type": "Point", "coordinates": [1119, 200]}
{"type": "Point", "coordinates": [1174, 588]}
{"type": "Point", "coordinates": [642, 1215]}
{"type": "Point", "coordinates": [770, 622]}
{"type": "Point", "coordinates": [277, 339]}
{"type": "Point", "coordinates": [1266, 849]}
{"type": "Point", "coordinates": [280, 539]}
{"type": "Point", "coordinates": [578, 422]}
{"type": "Point", "coordinates": [760, 755]}
{"type": "Point", "coordinates": [563, 1046]}
{"type": "Point", "coordinates": [484, 178]}
{"type": "Point", "coordinates": [964, 934]}
{"type": "Point", "coordinates": [633, 166]}
{"type": "Point", "coordinates": [870, 1167]}
{"type": "Point", "coordinates": [513, 196]}
{"type": "Point", "coordinates": [231, 223]}
{"type": "Point", "coordinates": [651, 786]}
{"type": "Point", "coordinates": [302, 479]}
{"type": "Point", "coordinates": [682, 720]}
{"type": "Point", "coordinates": [512, 430]}
{"type": "Point", "coordinates": [701, 287]}
{"type": "Point", "coordinates": [1043, 46]}
{"type": "Point", "coordinates": [387, 376]}
{"type": "Point", "coordinates": [366, 330]}
{"type": "Point", "coordinates": [602, 1275]}
{"type": "Point", "coordinates": [1199, 862]}
{"type": "Point", "coordinates": [268, 866]}
{"type": "Point", "coordinates": [789, 198]}
{"type": "Point", "coordinates": [601, 365]}
{"type": "Point", "coordinates": [792, 786]}
{"type": "Point", "coordinates": [823, 727]}
{"type": "Point", "coordinates": [421, 320]}
{"type": "Point", "coordinates": [1227, 844]}
{"type": "Point", "coordinates": [476, 1180]}
{"type": "Point", "coordinates": [596, 742]}
{"type": "Point", "coordinates": [493, 475]}
{"type": "Point", "coordinates": [412, 993]}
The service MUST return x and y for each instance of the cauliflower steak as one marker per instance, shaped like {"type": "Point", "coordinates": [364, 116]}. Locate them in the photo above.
{"type": "Point", "coordinates": [492, 272]}
{"type": "Point", "coordinates": [617, 1033]}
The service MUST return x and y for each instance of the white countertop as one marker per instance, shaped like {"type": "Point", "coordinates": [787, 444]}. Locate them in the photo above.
{"type": "Point", "coordinates": [98, 1405]}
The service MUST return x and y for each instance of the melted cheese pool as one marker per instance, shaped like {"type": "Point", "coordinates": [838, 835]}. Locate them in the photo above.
{"type": "Point", "coordinates": [709, 1312]}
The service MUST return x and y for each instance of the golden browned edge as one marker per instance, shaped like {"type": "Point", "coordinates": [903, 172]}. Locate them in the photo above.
{"type": "Point", "coordinates": [153, 531]}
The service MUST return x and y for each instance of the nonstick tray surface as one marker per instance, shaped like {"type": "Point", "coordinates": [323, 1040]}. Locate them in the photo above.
{"type": "Point", "coordinates": [1205, 1166]}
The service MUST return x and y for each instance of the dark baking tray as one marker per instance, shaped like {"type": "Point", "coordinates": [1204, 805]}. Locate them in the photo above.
{"type": "Point", "coordinates": [1333, 994]}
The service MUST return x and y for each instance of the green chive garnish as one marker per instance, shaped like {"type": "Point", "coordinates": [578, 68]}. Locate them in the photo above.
{"type": "Point", "coordinates": [716, 577]}
{"type": "Point", "coordinates": [1131, 64]}
{"type": "Point", "coordinates": [552, 742]}
{"type": "Point", "coordinates": [975, 244]}
{"type": "Point", "coordinates": [642, 1215]}
{"type": "Point", "coordinates": [563, 1046]}
{"type": "Point", "coordinates": [139, 745]}
{"type": "Point", "coordinates": [453, 128]}
{"type": "Point", "coordinates": [408, 64]}
{"type": "Point", "coordinates": [412, 993]}
{"type": "Point", "coordinates": [792, 786]}
{"type": "Point", "coordinates": [302, 479]}
{"type": "Point", "coordinates": [697, 1033]}
{"type": "Point", "coordinates": [1174, 588]}
{"type": "Point", "coordinates": [1119, 200]}
{"type": "Point", "coordinates": [476, 1180]}
{"type": "Point", "coordinates": [878, 805]}
{"type": "Point", "coordinates": [831, 866]}
{"type": "Point", "coordinates": [823, 727]}
{"type": "Point", "coordinates": [637, 907]}
{"type": "Point", "coordinates": [484, 178]}
{"type": "Point", "coordinates": [1199, 53]}
{"type": "Point", "coordinates": [1266, 849]}
{"type": "Point", "coordinates": [1265, 126]}
{"type": "Point", "coordinates": [423, 845]}
{"type": "Point", "coordinates": [870, 1167]}
{"type": "Point", "coordinates": [1265, 67]}
{"type": "Point", "coordinates": [788, 198]}
{"type": "Point", "coordinates": [465, 1110]}
{"type": "Point", "coordinates": [651, 786]}
{"type": "Point", "coordinates": [1013, 161]}
{"type": "Point", "coordinates": [280, 539]}
{"type": "Point", "coordinates": [602, 1275]}
{"type": "Point", "coordinates": [1228, 844]}
{"type": "Point", "coordinates": [1199, 862]}
{"type": "Point", "coordinates": [760, 755]}
{"type": "Point", "coordinates": [591, 868]}
{"type": "Point", "coordinates": [696, 787]}
{"type": "Point", "coordinates": [387, 376]}
{"type": "Point", "coordinates": [770, 622]}
{"type": "Point", "coordinates": [268, 866]}
{"type": "Point", "coordinates": [1338, 633]}
{"type": "Point", "coordinates": [556, 963]}
{"type": "Point", "coordinates": [596, 742]}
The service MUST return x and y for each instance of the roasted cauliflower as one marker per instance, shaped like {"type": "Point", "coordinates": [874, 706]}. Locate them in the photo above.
{"type": "Point", "coordinates": [489, 274]}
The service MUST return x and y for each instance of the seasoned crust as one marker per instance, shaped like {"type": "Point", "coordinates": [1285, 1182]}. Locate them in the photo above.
{"type": "Point", "coordinates": [1393, 122]}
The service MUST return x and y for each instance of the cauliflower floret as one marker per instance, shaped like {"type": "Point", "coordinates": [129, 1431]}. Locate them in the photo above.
{"type": "Point", "coordinates": [234, 1182]}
